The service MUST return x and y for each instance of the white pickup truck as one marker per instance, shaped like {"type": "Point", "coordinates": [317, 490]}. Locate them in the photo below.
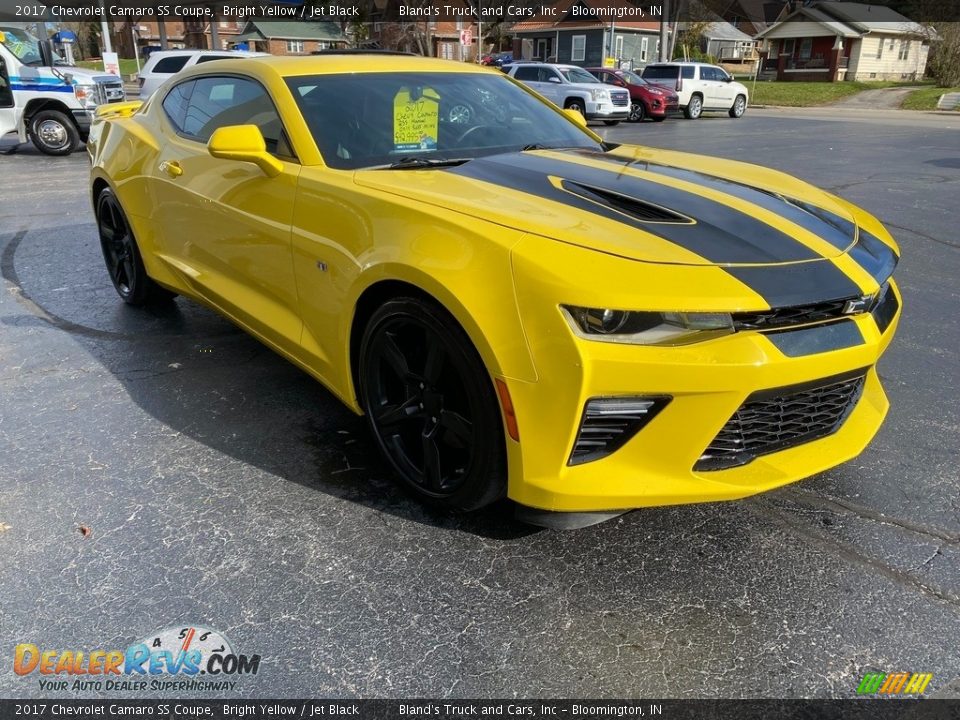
{"type": "Point", "coordinates": [44, 101]}
{"type": "Point", "coordinates": [572, 87]}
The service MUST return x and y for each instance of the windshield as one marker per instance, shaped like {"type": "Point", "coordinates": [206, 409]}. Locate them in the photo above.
{"type": "Point", "coordinates": [632, 78]}
{"type": "Point", "coordinates": [364, 120]}
{"type": "Point", "coordinates": [578, 75]}
{"type": "Point", "coordinates": [24, 46]}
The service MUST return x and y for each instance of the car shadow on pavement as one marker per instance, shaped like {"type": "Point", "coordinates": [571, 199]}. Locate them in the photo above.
{"type": "Point", "coordinates": [202, 377]}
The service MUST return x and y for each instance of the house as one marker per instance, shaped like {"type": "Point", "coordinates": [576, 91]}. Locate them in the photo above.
{"type": "Point", "coordinates": [300, 37]}
{"type": "Point", "coordinates": [727, 43]}
{"type": "Point", "coordinates": [845, 41]}
{"type": "Point", "coordinates": [453, 35]}
{"type": "Point", "coordinates": [582, 32]}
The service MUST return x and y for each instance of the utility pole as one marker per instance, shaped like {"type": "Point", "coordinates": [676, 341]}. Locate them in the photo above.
{"type": "Point", "coordinates": [664, 23]}
{"type": "Point", "coordinates": [105, 30]}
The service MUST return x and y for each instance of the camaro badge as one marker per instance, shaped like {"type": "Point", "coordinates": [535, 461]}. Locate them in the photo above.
{"type": "Point", "coordinates": [857, 305]}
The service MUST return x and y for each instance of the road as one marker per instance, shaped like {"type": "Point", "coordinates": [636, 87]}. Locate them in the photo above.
{"type": "Point", "coordinates": [163, 469]}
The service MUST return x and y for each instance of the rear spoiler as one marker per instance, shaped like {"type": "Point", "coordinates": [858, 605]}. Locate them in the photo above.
{"type": "Point", "coordinates": [119, 110]}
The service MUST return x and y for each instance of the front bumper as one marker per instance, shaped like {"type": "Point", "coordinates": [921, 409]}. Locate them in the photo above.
{"type": "Point", "coordinates": [83, 119]}
{"type": "Point", "coordinates": [707, 382]}
{"type": "Point", "coordinates": [607, 111]}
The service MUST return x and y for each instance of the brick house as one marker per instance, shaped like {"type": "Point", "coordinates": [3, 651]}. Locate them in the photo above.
{"type": "Point", "coordinates": [291, 38]}
{"type": "Point", "coordinates": [831, 41]}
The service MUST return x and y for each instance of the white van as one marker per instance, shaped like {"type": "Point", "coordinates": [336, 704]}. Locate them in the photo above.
{"type": "Point", "coordinates": [162, 64]}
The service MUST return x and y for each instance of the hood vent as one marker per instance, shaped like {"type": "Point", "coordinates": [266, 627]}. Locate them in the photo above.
{"type": "Point", "coordinates": [639, 209]}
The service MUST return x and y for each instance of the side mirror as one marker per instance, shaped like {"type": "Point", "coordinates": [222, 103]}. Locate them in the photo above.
{"type": "Point", "coordinates": [575, 116]}
{"type": "Point", "coordinates": [728, 78]}
{"type": "Point", "coordinates": [553, 79]}
{"type": "Point", "coordinates": [243, 143]}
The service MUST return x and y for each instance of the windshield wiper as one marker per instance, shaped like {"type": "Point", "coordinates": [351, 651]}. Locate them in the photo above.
{"type": "Point", "coordinates": [414, 163]}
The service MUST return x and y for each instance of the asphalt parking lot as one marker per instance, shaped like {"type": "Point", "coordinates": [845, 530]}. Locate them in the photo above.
{"type": "Point", "coordinates": [163, 469]}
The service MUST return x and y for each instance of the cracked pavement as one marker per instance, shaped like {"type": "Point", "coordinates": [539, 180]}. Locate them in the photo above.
{"type": "Point", "coordinates": [221, 486]}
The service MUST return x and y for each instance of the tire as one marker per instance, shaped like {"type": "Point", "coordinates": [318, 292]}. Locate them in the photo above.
{"type": "Point", "coordinates": [637, 111]}
{"type": "Point", "coordinates": [611, 123]}
{"type": "Point", "coordinates": [431, 407]}
{"type": "Point", "coordinates": [577, 105]}
{"type": "Point", "coordinates": [54, 133]}
{"type": "Point", "coordinates": [694, 108]}
{"type": "Point", "coordinates": [739, 107]}
{"type": "Point", "coordinates": [122, 256]}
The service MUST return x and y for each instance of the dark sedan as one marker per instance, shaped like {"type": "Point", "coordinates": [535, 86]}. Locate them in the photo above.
{"type": "Point", "coordinates": [647, 100]}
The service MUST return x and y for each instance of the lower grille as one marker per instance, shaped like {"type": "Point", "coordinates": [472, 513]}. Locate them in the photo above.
{"type": "Point", "coordinates": [609, 423]}
{"type": "Point", "coordinates": [773, 420]}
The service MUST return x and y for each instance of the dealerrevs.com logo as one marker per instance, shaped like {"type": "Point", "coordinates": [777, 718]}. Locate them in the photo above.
{"type": "Point", "coordinates": [181, 658]}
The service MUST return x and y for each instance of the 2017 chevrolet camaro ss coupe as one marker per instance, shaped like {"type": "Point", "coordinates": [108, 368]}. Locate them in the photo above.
{"type": "Point", "coordinates": [518, 308]}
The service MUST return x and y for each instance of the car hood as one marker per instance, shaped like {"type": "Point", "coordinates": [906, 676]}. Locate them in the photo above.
{"type": "Point", "coordinates": [638, 203]}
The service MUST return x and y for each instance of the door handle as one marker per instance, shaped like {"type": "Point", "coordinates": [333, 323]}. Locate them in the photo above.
{"type": "Point", "coordinates": [171, 168]}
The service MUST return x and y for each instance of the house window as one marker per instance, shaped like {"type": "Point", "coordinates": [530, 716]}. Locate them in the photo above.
{"type": "Point", "coordinates": [643, 49]}
{"type": "Point", "coordinates": [541, 53]}
{"type": "Point", "coordinates": [904, 50]}
{"type": "Point", "coordinates": [618, 53]}
{"type": "Point", "coordinates": [880, 49]}
{"type": "Point", "coordinates": [579, 49]}
{"type": "Point", "coordinates": [891, 44]}
{"type": "Point", "coordinates": [294, 46]}
{"type": "Point", "coordinates": [787, 48]}
{"type": "Point", "coordinates": [806, 48]}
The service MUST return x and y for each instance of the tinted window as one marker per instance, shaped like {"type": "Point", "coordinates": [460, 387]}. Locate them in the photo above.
{"type": "Point", "coordinates": [661, 72]}
{"type": "Point", "coordinates": [175, 103]}
{"type": "Point", "coordinates": [208, 58]}
{"type": "Point", "coordinates": [170, 65]}
{"type": "Point", "coordinates": [527, 73]}
{"type": "Point", "coordinates": [221, 101]}
{"type": "Point", "coordinates": [394, 115]}
{"type": "Point", "coordinates": [687, 71]}
{"type": "Point", "coordinates": [578, 75]}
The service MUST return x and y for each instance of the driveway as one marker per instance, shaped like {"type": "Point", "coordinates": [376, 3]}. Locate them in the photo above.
{"type": "Point", "coordinates": [885, 98]}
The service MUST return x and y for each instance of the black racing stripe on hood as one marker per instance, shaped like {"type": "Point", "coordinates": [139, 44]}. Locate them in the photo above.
{"type": "Point", "coordinates": [874, 256]}
{"type": "Point", "coordinates": [828, 226]}
{"type": "Point", "coordinates": [799, 284]}
{"type": "Point", "coordinates": [722, 234]}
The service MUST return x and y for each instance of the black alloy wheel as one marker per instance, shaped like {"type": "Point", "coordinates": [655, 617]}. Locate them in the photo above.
{"type": "Point", "coordinates": [122, 256]}
{"type": "Point", "coordinates": [637, 111]}
{"type": "Point", "coordinates": [430, 403]}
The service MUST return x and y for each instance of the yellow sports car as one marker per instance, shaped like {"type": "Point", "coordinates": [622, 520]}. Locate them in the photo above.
{"type": "Point", "coordinates": [519, 308]}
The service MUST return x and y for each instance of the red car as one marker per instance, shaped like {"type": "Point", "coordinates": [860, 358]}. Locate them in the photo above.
{"type": "Point", "coordinates": [646, 99]}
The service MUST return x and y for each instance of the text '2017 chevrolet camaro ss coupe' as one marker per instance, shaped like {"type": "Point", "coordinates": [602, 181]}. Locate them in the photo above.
{"type": "Point", "coordinates": [518, 308]}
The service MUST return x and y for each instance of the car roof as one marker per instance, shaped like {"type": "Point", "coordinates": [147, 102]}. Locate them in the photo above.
{"type": "Point", "coordinates": [681, 62]}
{"type": "Point", "coordinates": [194, 51]}
{"type": "Point", "coordinates": [293, 66]}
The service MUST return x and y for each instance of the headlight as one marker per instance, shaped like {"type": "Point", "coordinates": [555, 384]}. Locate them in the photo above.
{"type": "Point", "coordinates": [646, 328]}
{"type": "Point", "coordinates": [597, 95]}
{"type": "Point", "coordinates": [86, 94]}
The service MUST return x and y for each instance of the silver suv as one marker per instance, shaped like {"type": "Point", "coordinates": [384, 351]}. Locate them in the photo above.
{"type": "Point", "coordinates": [701, 87]}
{"type": "Point", "coordinates": [572, 87]}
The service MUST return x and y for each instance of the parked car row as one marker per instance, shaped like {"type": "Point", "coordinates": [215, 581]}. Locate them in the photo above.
{"type": "Point", "coordinates": [662, 89]}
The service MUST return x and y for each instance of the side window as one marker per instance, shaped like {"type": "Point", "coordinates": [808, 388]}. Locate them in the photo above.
{"type": "Point", "coordinates": [708, 73]}
{"type": "Point", "coordinates": [546, 73]}
{"type": "Point", "coordinates": [171, 65]}
{"type": "Point", "coordinates": [175, 103]}
{"type": "Point", "coordinates": [686, 72]}
{"type": "Point", "coordinates": [221, 101]}
{"type": "Point", "coordinates": [527, 73]}
{"type": "Point", "coordinates": [208, 58]}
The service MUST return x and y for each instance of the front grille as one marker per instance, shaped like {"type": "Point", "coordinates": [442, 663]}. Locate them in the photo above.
{"type": "Point", "coordinates": [109, 92]}
{"type": "Point", "coordinates": [774, 420]}
{"type": "Point", "coordinates": [620, 99]}
{"type": "Point", "coordinates": [791, 316]}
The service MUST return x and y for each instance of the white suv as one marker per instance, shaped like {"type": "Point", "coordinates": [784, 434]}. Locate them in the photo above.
{"type": "Point", "coordinates": [570, 86]}
{"type": "Point", "coordinates": [700, 87]}
{"type": "Point", "coordinates": [162, 64]}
